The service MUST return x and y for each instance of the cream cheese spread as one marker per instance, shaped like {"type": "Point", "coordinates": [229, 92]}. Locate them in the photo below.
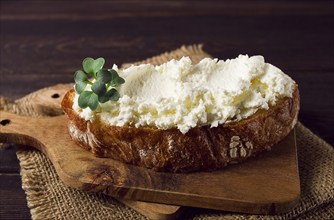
{"type": "Point", "coordinates": [183, 95]}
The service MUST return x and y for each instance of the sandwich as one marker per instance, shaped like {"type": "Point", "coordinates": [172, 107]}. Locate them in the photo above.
{"type": "Point", "coordinates": [181, 116]}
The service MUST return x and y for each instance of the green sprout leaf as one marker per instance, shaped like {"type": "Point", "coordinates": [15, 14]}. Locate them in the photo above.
{"type": "Point", "coordinates": [114, 74]}
{"type": "Point", "coordinates": [104, 76]}
{"type": "Point", "coordinates": [103, 99]}
{"type": "Point", "coordinates": [99, 88]}
{"type": "Point", "coordinates": [113, 95]}
{"type": "Point", "coordinates": [91, 66]}
{"type": "Point", "coordinates": [81, 81]}
{"type": "Point", "coordinates": [80, 87]}
{"type": "Point", "coordinates": [116, 79]}
{"type": "Point", "coordinates": [103, 84]}
{"type": "Point", "coordinates": [119, 81]}
{"type": "Point", "coordinates": [80, 76]}
{"type": "Point", "coordinates": [88, 99]}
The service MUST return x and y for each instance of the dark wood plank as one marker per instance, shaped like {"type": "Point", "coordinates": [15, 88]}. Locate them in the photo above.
{"type": "Point", "coordinates": [43, 43]}
{"type": "Point", "coordinates": [13, 204]}
{"type": "Point", "coordinates": [8, 159]}
{"type": "Point", "coordinates": [292, 43]}
{"type": "Point", "coordinates": [53, 50]}
{"type": "Point", "coordinates": [317, 102]}
{"type": "Point", "coordinates": [100, 10]}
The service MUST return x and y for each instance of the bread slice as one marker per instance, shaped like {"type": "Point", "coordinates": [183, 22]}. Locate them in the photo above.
{"type": "Point", "coordinates": [200, 149]}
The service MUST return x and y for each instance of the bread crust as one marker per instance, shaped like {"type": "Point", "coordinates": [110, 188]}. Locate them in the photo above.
{"type": "Point", "coordinates": [200, 149]}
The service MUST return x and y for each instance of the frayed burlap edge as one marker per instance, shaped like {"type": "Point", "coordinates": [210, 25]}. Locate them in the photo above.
{"type": "Point", "coordinates": [49, 198]}
{"type": "Point", "coordinates": [195, 52]}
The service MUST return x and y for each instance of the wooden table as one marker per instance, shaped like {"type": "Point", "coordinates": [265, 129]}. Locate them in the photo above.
{"type": "Point", "coordinates": [43, 43]}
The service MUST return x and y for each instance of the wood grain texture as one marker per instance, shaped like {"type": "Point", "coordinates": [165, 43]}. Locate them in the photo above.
{"type": "Point", "coordinates": [150, 8]}
{"type": "Point", "coordinates": [47, 102]}
{"type": "Point", "coordinates": [155, 210]}
{"type": "Point", "coordinates": [8, 161]}
{"type": "Point", "coordinates": [12, 200]}
{"type": "Point", "coordinates": [49, 50]}
{"type": "Point", "coordinates": [266, 184]}
{"type": "Point", "coordinates": [43, 43]}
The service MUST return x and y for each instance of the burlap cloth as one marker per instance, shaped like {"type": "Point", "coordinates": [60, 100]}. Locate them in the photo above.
{"type": "Point", "coordinates": [49, 198]}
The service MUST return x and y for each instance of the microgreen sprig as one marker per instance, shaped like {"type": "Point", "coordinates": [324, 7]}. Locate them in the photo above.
{"type": "Point", "coordinates": [103, 88]}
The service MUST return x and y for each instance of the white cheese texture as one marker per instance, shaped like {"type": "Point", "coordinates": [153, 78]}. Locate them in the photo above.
{"type": "Point", "coordinates": [183, 95]}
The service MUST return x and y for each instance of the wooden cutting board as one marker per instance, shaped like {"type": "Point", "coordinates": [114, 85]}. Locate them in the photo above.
{"type": "Point", "coordinates": [266, 184]}
{"type": "Point", "coordinates": [46, 102]}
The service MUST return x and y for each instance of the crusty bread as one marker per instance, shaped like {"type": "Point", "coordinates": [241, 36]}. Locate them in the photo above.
{"type": "Point", "coordinates": [201, 148]}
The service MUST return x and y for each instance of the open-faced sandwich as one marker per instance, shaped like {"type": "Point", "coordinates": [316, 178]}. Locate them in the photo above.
{"type": "Point", "coordinates": [181, 116]}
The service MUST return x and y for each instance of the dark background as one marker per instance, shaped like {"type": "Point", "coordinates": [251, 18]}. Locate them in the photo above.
{"type": "Point", "coordinates": [43, 42]}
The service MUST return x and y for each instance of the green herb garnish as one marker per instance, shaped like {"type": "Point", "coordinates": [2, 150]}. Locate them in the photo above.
{"type": "Point", "coordinates": [104, 88]}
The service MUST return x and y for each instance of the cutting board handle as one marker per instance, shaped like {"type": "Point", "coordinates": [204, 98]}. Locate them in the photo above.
{"type": "Point", "coordinates": [22, 130]}
{"type": "Point", "coordinates": [27, 130]}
